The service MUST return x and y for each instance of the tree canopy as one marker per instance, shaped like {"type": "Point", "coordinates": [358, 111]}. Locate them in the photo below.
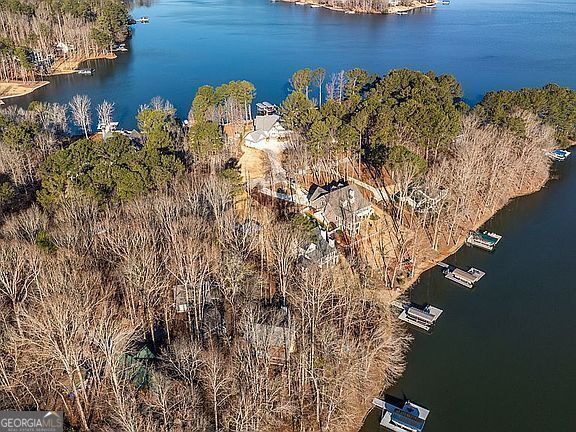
{"type": "Point", "coordinates": [553, 104]}
{"type": "Point", "coordinates": [369, 114]}
{"type": "Point", "coordinates": [113, 170]}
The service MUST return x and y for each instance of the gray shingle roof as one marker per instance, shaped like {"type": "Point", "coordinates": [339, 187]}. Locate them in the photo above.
{"type": "Point", "coordinates": [338, 200]}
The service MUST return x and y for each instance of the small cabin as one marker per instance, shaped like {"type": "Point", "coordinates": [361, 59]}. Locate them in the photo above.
{"type": "Point", "coordinates": [275, 342]}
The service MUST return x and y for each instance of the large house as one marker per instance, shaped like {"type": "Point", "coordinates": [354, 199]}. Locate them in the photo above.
{"type": "Point", "coordinates": [340, 204]}
{"type": "Point", "coordinates": [267, 130]}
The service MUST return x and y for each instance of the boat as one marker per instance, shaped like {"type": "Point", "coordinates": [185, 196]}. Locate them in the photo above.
{"type": "Point", "coordinates": [558, 154]}
{"type": "Point", "coordinates": [402, 13]}
{"type": "Point", "coordinates": [349, 12]}
{"type": "Point", "coordinates": [315, 6]}
{"type": "Point", "coordinates": [431, 6]}
{"type": "Point", "coordinates": [119, 48]}
{"type": "Point", "coordinates": [402, 417]}
{"type": "Point", "coordinates": [144, 20]}
{"type": "Point", "coordinates": [85, 71]}
{"type": "Point", "coordinates": [446, 2]}
{"type": "Point", "coordinates": [465, 278]}
{"type": "Point", "coordinates": [483, 239]}
{"type": "Point", "coordinates": [421, 317]}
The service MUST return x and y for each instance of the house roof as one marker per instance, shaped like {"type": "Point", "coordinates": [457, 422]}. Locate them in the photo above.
{"type": "Point", "coordinates": [266, 123]}
{"type": "Point", "coordinates": [269, 336]}
{"type": "Point", "coordinates": [338, 200]}
{"type": "Point", "coordinates": [256, 136]}
{"type": "Point", "coordinates": [315, 251]}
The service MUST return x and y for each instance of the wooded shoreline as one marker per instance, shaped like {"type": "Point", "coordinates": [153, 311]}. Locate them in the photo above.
{"type": "Point", "coordinates": [388, 296]}
{"type": "Point", "coordinates": [13, 89]}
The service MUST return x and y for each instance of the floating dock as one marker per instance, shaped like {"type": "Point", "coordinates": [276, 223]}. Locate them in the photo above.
{"type": "Point", "coordinates": [408, 417]}
{"type": "Point", "coordinates": [483, 240]}
{"type": "Point", "coordinates": [465, 278]}
{"type": "Point", "coordinates": [421, 317]}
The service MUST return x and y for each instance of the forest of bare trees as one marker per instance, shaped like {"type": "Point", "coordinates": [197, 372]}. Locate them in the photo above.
{"type": "Point", "coordinates": [104, 288]}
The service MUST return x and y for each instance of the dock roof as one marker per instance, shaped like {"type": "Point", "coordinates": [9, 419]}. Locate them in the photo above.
{"type": "Point", "coordinates": [464, 275]}
{"type": "Point", "coordinates": [418, 313]}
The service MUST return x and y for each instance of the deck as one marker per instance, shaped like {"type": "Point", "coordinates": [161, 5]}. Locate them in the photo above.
{"type": "Point", "coordinates": [420, 414]}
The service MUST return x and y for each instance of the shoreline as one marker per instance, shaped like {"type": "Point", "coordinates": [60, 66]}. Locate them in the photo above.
{"type": "Point", "coordinates": [385, 297]}
{"type": "Point", "coordinates": [388, 11]}
{"type": "Point", "coordinates": [70, 65]}
{"type": "Point", "coordinates": [14, 88]}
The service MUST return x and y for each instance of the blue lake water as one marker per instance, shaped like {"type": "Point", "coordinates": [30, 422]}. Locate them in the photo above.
{"type": "Point", "coordinates": [502, 357]}
{"type": "Point", "coordinates": [486, 44]}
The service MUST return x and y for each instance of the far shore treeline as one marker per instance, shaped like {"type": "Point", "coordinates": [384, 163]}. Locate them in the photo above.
{"type": "Point", "coordinates": [149, 283]}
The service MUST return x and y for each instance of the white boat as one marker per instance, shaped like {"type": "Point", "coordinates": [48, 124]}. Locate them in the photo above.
{"type": "Point", "coordinates": [143, 20]}
{"type": "Point", "coordinates": [350, 12]}
{"type": "Point", "coordinates": [483, 240]}
{"type": "Point", "coordinates": [85, 71]}
{"type": "Point", "coordinates": [421, 317]}
{"type": "Point", "coordinates": [402, 13]}
{"type": "Point", "coordinates": [408, 417]}
{"type": "Point", "coordinates": [431, 6]}
{"type": "Point", "coordinates": [558, 154]}
{"type": "Point", "coordinates": [315, 6]}
{"type": "Point", "coordinates": [465, 278]}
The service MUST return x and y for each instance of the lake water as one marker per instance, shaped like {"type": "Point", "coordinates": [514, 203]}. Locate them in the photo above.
{"type": "Point", "coordinates": [502, 356]}
{"type": "Point", "coordinates": [486, 44]}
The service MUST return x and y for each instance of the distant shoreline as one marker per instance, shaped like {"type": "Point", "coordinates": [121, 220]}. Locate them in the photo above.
{"type": "Point", "coordinates": [390, 10]}
{"type": "Point", "coordinates": [14, 88]}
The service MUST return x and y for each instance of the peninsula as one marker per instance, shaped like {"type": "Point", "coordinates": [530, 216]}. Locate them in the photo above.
{"type": "Point", "coordinates": [234, 271]}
